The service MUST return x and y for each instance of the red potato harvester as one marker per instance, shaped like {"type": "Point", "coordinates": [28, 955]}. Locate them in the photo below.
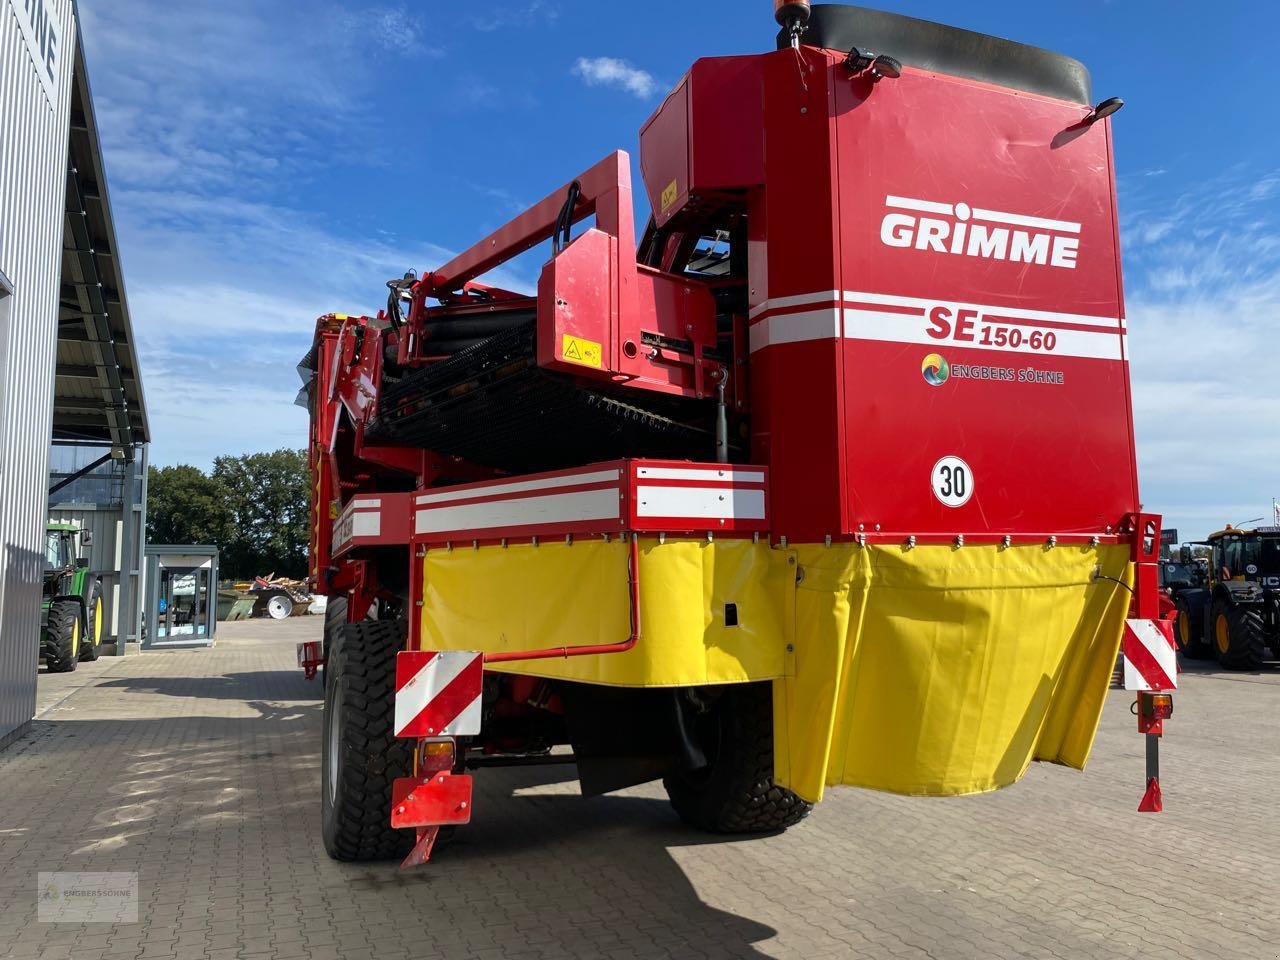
{"type": "Point", "coordinates": [827, 478]}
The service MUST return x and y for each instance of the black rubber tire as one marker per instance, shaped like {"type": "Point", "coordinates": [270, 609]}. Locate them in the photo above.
{"type": "Point", "coordinates": [1247, 637]}
{"type": "Point", "coordinates": [736, 792]}
{"type": "Point", "coordinates": [335, 620]}
{"type": "Point", "coordinates": [90, 642]}
{"type": "Point", "coordinates": [1188, 632]}
{"type": "Point", "coordinates": [360, 757]}
{"type": "Point", "coordinates": [60, 647]}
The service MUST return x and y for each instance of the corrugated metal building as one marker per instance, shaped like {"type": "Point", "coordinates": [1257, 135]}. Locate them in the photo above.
{"type": "Point", "coordinates": [109, 502]}
{"type": "Point", "coordinates": [64, 323]}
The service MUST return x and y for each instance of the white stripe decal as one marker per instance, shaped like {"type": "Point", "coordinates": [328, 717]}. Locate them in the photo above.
{"type": "Point", "coordinates": [895, 328]}
{"type": "Point", "coordinates": [989, 216]}
{"type": "Point", "coordinates": [1018, 220]}
{"type": "Point", "coordinates": [365, 505]}
{"type": "Point", "coordinates": [555, 508]}
{"type": "Point", "coordinates": [866, 323]}
{"type": "Point", "coordinates": [366, 525]}
{"type": "Point", "coordinates": [702, 503]}
{"type": "Point", "coordinates": [413, 697]}
{"type": "Point", "coordinates": [795, 328]}
{"type": "Point", "coordinates": [804, 299]}
{"type": "Point", "coordinates": [926, 304]}
{"type": "Point", "coordinates": [921, 206]}
{"type": "Point", "coordinates": [712, 473]}
{"type": "Point", "coordinates": [520, 486]}
{"type": "Point", "coordinates": [469, 720]}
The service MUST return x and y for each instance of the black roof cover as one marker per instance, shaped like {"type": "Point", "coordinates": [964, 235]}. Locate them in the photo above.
{"type": "Point", "coordinates": [949, 50]}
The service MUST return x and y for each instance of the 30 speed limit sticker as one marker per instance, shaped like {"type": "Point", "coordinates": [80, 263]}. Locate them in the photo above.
{"type": "Point", "coordinates": [952, 481]}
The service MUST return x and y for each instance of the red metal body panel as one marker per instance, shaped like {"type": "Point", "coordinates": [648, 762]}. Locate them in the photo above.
{"type": "Point", "coordinates": [602, 499]}
{"type": "Point", "coordinates": [323, 478]}
{"type": "Point", "coordinates": [1143, 530]}
{"type": "Point", "coordinates": [696, 146]}
{"type": "Point", "coordinates": [678, 497]}
{"type": "Point", "coordinates": [797, 389]}
{"type": "Point", "coordinates": [594, 325]}
{"type": "Point", "coordinates": [343, 397]}
{"type": "Point", "coordinates": [874, 271]}
{"type": "Point", "coordinates": [595, 303]}
{"type": "Point", "coordinates": [372, 520]}
{"type": "Point", "coordinates": [1034, 448]}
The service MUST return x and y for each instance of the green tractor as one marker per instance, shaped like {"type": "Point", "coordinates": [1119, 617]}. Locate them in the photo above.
{"type": "Point", "coordinates": [1236, 615]}
{"type": "Point", "coordinates": [71, 621]}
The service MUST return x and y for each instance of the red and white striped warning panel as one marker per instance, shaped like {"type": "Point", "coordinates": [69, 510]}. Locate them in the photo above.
{"type": "Point", "coordinates": [438, 693]}
{"type": "Point", "coordinates": [369, 521]}
{"type": "Point", "coordinates": [1150, 660]}
{"type": "Point", "coordinates": [602, 498]}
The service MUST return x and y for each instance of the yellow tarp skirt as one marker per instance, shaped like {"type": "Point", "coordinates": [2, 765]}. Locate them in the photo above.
{"type": "Point", "coordinates": [523, 597]}
{"type": "Point", "coordinates": [933, 670]}
{"type": "Point", "coordinates": [942, 671]}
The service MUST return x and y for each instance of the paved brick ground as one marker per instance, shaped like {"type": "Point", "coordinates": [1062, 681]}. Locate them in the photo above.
{"type": "Point", "coordinates": [200, 770]}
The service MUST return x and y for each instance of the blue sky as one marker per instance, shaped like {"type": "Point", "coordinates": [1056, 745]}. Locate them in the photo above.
{"type": "Point", "coordinates": [269, 162]}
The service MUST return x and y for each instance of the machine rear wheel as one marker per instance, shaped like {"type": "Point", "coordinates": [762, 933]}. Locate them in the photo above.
{"type": "Point", "coordinates": [335, 621]}
{"type": "Point", "coordinates": [90, 648]}
{"type": "Point", "coordinates": [280, 607]}
{"type": "Point", "coordinates": [1188, 629]}
{"type": "Point", "coordinates": [361, 758]}
{"type": "Point", "coordinates": [735, 793]}
{"type": "Point", "coordinates": [1239, 636]}
{"type": "Point", "coordinates": [62, 639]}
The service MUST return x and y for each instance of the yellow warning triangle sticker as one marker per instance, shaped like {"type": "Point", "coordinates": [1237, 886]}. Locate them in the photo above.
{"type": "Point", "coordinates": [572, 352]}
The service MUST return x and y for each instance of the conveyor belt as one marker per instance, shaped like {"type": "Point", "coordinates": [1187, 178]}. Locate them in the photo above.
{"type": "Point", "coordinates": [493, 405]}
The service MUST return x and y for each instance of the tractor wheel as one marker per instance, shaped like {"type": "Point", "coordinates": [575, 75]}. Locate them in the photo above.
{"type": "Point", "coordinates": [735, 793]}
{"type": "Point", "coordinates": [1239, 636]}
{"type": "Point", "coordinates": [280, 607]}
{"type": "Point", "coordinates": [361, 757]}
{"type": "Point", "coordinates": [62, 639]}
{"type": "Point", "coordinates": [92, 645]}
{"type": "Point", "coordinates": [1188, 630]}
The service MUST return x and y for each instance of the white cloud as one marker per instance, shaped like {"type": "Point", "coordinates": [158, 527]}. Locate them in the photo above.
{"type": "Point", "coordinates": [395, 29]}
{"type": "Point", "coordinates": [1204, 322]}
{"type": "Point", "coordinates": [210, 112]}
{"type": "Point", "coordinates": [226, 307]}
{"type": "Point", "coordinates": [499, 17]}
{"type": "Point", "coordinates": [232, 93]}
{"type": "Point", "coordinates": [612, 72]}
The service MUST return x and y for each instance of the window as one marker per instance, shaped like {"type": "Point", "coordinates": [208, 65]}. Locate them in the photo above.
{"type": "Point", "coordinates": [57, 550]}
{"type": "Point", "coordinates": [1269, 556]}
{"type": "Point", "coordinates": [1231, 561]}
{"type": "Point", "coordinates": [711, 256]}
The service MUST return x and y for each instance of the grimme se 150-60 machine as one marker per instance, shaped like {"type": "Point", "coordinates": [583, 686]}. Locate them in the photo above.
{"type": "Point", "coordinates": [829, 479]}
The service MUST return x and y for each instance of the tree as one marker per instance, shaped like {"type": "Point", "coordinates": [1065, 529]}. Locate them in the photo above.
{"type": "Point", "coordinates": [268, 508]}
{"type": "Point", "coordinates": [185, 506]}
{"type": "Point", "coordinates": [254, 508]}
